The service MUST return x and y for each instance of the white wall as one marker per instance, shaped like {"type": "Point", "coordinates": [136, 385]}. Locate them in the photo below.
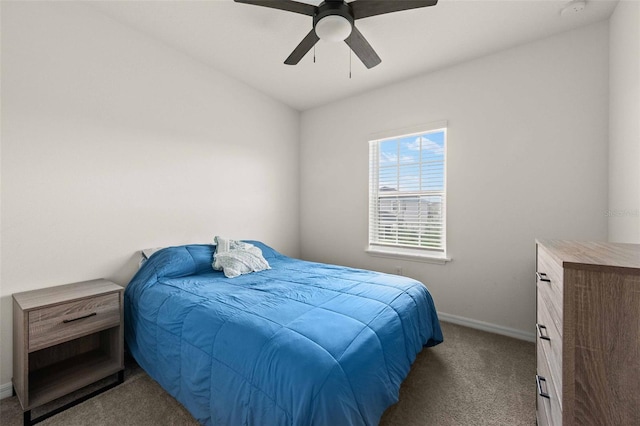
{"type": "Point", "coordinates": [624, 123]}
{"type": "Point", "coordinates": [527, 158]}
{"type": "Point", "coordinates": [113, 142]}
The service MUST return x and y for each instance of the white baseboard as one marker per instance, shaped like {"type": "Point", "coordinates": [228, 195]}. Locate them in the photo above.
{"type": "Point", "coordinates": [486, 326]}
{"type": "Point", "coordinates": [6, 390]}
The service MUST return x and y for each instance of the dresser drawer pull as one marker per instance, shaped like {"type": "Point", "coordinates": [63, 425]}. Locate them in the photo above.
{"type": "Point", "coordinates": [544, 336]}
{"type": "Point", "coordinates": [92, 314]}
{"type": "Point", "coordinates": [540, 392]}
{"type": "Point", "coordinates": [543, 277]}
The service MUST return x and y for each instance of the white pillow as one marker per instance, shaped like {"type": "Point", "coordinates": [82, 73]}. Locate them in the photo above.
{"type": "Point", "coordinates": [146, 254]}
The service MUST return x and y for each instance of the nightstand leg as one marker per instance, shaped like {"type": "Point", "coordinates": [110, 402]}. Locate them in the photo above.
{"type": "Point", "coordinates": [121, 377]}
{"type": "Point", "coordinates": [27, 418]}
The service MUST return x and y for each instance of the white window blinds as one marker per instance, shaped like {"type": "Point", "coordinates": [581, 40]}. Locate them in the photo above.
{"type": "Point", "coordinates": [407, 191]}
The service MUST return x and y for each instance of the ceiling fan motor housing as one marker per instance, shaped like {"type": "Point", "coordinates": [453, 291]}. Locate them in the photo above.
{"type": "Point", "coordinates": [329, 9]}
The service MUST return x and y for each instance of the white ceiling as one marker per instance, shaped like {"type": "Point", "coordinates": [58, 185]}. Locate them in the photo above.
{"type": "Point", "coordinates": [251, 43]}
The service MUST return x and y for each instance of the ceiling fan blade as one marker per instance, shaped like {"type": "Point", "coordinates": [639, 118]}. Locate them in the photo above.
{"type": "Point", "coordinates": [362, 49]}
{"type": "Point", "coordinates": [365, 8]}
{"type": "Point", "coordinates": [305, 45]}
{"type": "Point", "coordinates": [288, 5]}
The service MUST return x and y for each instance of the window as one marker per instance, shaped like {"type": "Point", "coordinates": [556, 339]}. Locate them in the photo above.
{"type": "Point", "coordinates": [407, 194]}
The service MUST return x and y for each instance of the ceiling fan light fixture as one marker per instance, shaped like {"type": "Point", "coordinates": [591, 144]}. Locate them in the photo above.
{"type": "Point", "coordinates": [333, 28]}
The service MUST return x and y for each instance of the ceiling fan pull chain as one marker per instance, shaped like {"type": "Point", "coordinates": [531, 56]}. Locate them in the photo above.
{"type": "Point", "coordinates": [314, 53]}
{"type": "Point", "coordinates": [350, 55]}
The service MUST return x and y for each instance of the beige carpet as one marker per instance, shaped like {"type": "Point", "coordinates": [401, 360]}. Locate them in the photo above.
{"type": "Point", "coordinates": [473, 378]}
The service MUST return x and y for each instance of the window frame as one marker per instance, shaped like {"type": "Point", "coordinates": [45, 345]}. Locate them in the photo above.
{"type": "Point", "coordinates": [400, 252]}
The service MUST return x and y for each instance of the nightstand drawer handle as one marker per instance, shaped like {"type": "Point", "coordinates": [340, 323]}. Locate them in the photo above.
{"type": "Point", "coordinates": [544, 336]}
{"type": "Point", "coordinates": [540, 392]}
{"type": "Point", "coordinates": [543, 277]}
{"type": "Point", "coordinates": [92, 314]}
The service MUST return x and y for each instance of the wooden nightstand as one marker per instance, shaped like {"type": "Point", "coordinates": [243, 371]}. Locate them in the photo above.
{"type": "Point", "coordinates": [64, 338]}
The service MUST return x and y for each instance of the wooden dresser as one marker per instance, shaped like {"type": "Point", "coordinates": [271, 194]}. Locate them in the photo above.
{"type": "Point", "coordinates": [588, 333]}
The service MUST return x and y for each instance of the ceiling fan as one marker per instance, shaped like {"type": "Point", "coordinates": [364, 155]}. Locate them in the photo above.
{"type": "Point", "coordinates": [333, 20]}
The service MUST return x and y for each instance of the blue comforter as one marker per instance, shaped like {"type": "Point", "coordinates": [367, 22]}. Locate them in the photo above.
{"type": "Point", "coordinates": [300, 344]}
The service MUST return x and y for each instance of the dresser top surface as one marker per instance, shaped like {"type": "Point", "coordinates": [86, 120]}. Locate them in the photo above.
{"type": "Point", "coordinates": [63, 293]}
{"type": "Point", "coordinates": [594, 253]}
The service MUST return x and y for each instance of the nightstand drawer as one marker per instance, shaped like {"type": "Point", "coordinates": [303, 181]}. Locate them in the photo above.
{"type": "Point", "coordinates": [55, 324]}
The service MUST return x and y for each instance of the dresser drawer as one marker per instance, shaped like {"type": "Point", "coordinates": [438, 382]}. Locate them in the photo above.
{"type": "Point", "coordinates": [549, 405]}
{"type": "Point", "coordinates": [550, 283]}
{"type": "Point", "coordinates": [554, 313]}
{"type": "Point", "coordinates": [542, 412]}
{"type": "Point", "coordinates": [54, 324]}
{"type": "Point", "coordinates": [547, 265]}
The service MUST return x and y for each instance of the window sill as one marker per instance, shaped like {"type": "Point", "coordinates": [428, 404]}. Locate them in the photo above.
{"type": "Point", "coordinates": [408, 254]}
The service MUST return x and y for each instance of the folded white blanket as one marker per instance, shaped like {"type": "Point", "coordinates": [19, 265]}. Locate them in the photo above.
{"type": "Point", "coordinates": [236, 258]}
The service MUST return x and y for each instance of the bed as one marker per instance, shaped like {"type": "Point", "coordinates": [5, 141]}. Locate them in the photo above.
{"type": "Point", "coordinates": [301, 343]}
